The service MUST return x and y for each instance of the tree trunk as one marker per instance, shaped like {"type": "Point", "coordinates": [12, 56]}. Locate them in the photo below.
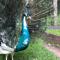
{"type": "Point", "coordinates": [55, 11]}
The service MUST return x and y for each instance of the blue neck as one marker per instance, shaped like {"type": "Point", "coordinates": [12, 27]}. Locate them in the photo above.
{"type": "Point", "coordinates": [24, 39]}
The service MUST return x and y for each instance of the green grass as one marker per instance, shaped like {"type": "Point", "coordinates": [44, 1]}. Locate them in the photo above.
{"type": "Point", "coordinates": [55, 32]}
{"type": "Point", "coordinates": [35, 51]}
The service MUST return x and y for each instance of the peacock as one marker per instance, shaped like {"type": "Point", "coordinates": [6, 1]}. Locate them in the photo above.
{"type": "Point", "coordinates": [18, 19]}
{"type": "Point", "coordinates": [9, 41]}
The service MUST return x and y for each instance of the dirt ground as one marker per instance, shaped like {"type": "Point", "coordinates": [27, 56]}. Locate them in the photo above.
{"type": "Point", "coordinates": [53, 49]}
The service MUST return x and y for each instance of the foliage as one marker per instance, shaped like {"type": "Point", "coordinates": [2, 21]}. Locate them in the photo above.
{"type": "Point", "coordinates": [58, 22]}
{"type": "Point", "coordinates": [50, 21]}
